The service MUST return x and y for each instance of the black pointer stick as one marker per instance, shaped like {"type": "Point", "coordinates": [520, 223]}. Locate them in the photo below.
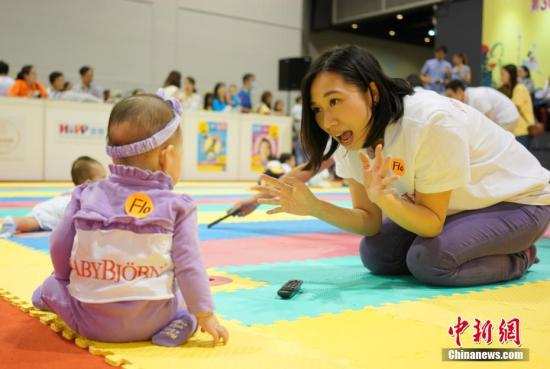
{"type": "Point", "coordinates": [233, 213]}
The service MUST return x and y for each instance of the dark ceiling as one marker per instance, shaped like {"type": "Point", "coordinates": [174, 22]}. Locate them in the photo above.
{"type": "Point", "coordinates": [413, 28]}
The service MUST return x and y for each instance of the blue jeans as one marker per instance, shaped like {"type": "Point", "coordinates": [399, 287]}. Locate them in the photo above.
{"type": "Point", "coordinates": [524, 140]}
{"type": "Point", "coordinates": [475, 247]}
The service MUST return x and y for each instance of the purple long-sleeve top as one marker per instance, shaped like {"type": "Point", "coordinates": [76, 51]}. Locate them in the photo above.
{"type": "Point", "coordinates": [102, 207]}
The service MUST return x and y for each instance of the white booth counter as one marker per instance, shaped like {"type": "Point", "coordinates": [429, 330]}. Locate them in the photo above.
{"type": "Point", "coordinates": [71, 130]}
{"type": "Point", "coordinates": [21, 139]}
{"type": "Point", "coordinates": [39, 139]}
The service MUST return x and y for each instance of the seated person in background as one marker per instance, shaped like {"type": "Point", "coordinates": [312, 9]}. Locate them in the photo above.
{"type": "Point", "coordinates": [279, 167]}
{"type": "Point", "coordinates": [234, 98]}
{"type": "Point", "coordinates": [47, 215]}
{"type": "Point", "coordinates": [219, 102]}
{"type": "Point", "coordinates": [266, 100]}
{"type": "Point", "coordinates": [172, 85]}
{"type": "Point", "coordinates": [524, 77]}
{"type": "Point", "coordinates": [415, 81]}
{"type": "Point", "coordinates": [5, 80]}
{"type": "Point", "coordinates": [541, 102]}
{"type": "Point", "coordinates": [27, 84]}
{"type": "Point", "coordinates": [59, 90]}
{"type": "Point", "coordinates": [208, 98]}
{"type": "Point", "coordinates": [279, 107]}
{"type": "Point", "coordinates": [87, 84]}
{"type": "Point", "coordinates": [190, 99]}
{"type": "Point", "coordinates": [138, 91]}
{"type": "Point", "coordinates": [494, 104]}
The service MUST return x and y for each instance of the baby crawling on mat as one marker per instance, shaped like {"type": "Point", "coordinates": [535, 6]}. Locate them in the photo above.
{"type": "Point", "coordinates": [127, 264]}
{"type": "Point", "coordinates": [48, 214]}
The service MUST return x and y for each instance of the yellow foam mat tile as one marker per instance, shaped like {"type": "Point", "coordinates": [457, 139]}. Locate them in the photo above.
{"type": "Point", "coordinates": [237, 282]}
{"type": "Point", "coordinates": [248, 348]}
{"type": "Point", "coordinates": [413, 334]}
{"type": "Point", "coordinates": [22, 269]}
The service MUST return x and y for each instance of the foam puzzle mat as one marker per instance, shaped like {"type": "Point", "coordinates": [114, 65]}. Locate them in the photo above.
{"type": "Point", "coordinates": [344, 317]}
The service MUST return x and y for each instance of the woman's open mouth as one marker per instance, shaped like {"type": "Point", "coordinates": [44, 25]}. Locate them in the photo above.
{"type": "Point", "coordinates": [345, 138]}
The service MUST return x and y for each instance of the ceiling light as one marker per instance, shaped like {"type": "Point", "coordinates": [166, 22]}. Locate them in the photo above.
{"type": "Point", "coordinates": [391, 33]}
{"type": "Point", "coordinates": [354, 26]}
{"type": "Point", "coordinates": [399, 16]}
{"type": "Point", "coordinates": [431, 33]}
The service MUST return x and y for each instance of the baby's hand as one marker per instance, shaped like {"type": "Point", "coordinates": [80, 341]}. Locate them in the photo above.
{"type": "Point", "coordinates": [210, 325]}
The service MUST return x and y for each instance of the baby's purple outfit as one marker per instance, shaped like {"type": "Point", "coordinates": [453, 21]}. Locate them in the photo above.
{"type": "Point", "coordinates": [118, 277]}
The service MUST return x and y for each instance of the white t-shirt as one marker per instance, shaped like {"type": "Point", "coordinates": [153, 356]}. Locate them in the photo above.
{"type": "Point", "coordinates": [190, 103]}
{"type": "Point", "coordinates": [497, 106]}
{"type": "Point", "coordinates": [49, 213]}
{"type": "Point", "coordinates": [441, 144]}
{"type": "Point", "coordinates": [5, 84]}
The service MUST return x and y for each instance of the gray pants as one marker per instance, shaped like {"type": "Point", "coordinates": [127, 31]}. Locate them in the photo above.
{"type": "Point", "coordinates": [475, 247]}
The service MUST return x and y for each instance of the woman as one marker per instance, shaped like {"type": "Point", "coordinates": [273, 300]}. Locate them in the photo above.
{"type": "Point", "coordinates": [461, 70]}
{"type": "Point", "coordinates": [265, 103]}
{"type": "Point", "coordinates": [190, 99]}
{"type": "Point", "coordinates": [27, 85]}
{"type": "Point", "coordinates": [172, 85]}
{"type": "Point", "coordinates": [467, 201]}
{"type": "Point", "coordinates": [522, 99]}
{"type": "Point", "coordinates": [219, 102]}
{"type": "Point", "coordinates": [524, 77]}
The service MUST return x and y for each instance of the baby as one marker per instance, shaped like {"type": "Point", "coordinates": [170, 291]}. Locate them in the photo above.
{"type": "Point", "coordinates": [47, 215]}
{"type": "Point", "coordinates": [127, 264]}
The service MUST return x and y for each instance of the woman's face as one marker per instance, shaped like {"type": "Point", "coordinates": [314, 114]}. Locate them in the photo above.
{"type": "Point", "coordinates": [264, 150]}
{"type": "Point", "coordinates": [521, 73]}
{"type": "Point", "coordinates": [187, 86]}
{"type": "Point", "coordinates": [457, 60]}
{"type": "Point", "coordinates": [504, 76]}
{"type": "Point", "coordinates": [31, 77]}
{"type": "Point", "coordinates": [222, 91]}
{"type": "Point", "coordinates": [342, 109]}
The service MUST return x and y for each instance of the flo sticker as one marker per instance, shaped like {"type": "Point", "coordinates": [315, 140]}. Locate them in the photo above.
{"type": "Point", "coordinates": [398, 167]}
{"type": "Point", "coordinates": [138, 205]}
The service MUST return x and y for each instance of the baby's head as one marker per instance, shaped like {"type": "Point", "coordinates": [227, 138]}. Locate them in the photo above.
{"type": "Point", "coordinates": [151, 122]}
{"type": "Point", "coordinates": [87, 170]}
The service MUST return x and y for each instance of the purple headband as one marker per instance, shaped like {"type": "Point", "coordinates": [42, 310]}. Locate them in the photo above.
{"type": "Point", "coordinates": [150, 143]}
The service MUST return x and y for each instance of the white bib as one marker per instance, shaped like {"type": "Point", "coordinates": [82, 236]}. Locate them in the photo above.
{"type": "Point", "coordinates": [119, 265]}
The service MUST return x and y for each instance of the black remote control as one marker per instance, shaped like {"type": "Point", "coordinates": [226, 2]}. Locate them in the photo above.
{"type": "Point", "coordinates": [289, 289]}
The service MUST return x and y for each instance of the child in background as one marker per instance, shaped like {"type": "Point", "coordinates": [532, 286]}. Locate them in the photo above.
{"type": "Point", "coordinates": [127, 264]}
{"type": "Point", "coordinates": [278, 167]}
{"type": "Point", "coordinates": [47, 215]}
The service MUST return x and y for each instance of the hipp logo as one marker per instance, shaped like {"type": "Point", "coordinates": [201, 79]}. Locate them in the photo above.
{"type": "Point", "coordinates": [80, 130]}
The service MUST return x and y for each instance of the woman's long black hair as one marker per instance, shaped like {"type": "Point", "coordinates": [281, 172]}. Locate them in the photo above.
{"type": "Point", "coordinates": [358, 67]}
{"type": "Point", "coordinates": [508, 88]}
{"type": "Point", "coordinates": [25, 71]}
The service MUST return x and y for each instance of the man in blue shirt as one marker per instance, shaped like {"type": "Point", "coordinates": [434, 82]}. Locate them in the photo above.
{"type": "Point", "coordinates": [437, 71]}
{"type": "Point", "coordinates": [249, 81]}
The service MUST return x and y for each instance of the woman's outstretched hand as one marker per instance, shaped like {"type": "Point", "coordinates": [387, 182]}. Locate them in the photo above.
{"type": "Point", "coordinates": [375, 176]}
{"type": "Point", "coordinates": [289, 194]}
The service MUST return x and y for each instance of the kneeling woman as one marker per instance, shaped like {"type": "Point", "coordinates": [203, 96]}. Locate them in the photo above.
{"type": "Point", "coordinates": [438, 190]}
